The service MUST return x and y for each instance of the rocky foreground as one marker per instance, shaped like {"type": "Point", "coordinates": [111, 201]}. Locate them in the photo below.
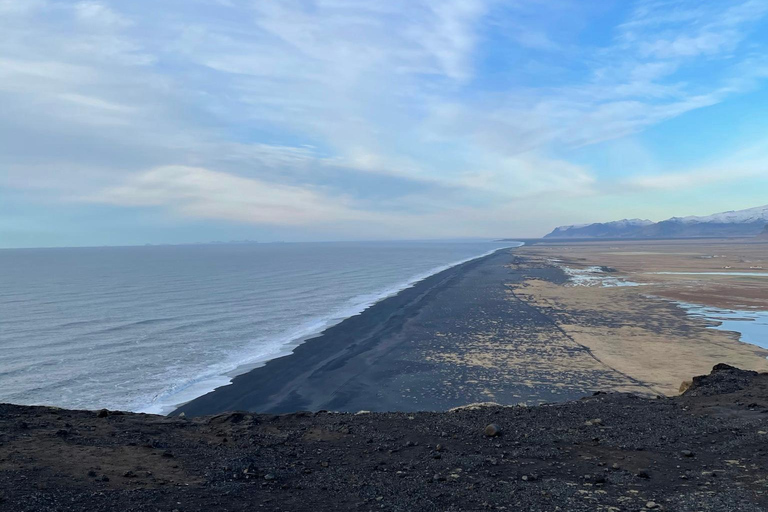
{"type": "Point", "coordinates": [704, 450]}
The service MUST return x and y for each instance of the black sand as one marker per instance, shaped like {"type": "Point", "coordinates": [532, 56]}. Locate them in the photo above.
{"type": "Point", "coordinates": [400, 354]}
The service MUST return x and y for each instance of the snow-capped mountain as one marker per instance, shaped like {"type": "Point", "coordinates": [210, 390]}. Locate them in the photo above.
{"type": "Point", "coordinates": [758, 214]}
{"type": "Point", "coordinates": [614, 229]}
{"type": "Point", "coordinates": [749, 222]}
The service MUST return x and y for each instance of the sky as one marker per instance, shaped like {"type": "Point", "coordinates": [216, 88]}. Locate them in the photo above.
{"type": "Point", "coordinates": [301, 120]}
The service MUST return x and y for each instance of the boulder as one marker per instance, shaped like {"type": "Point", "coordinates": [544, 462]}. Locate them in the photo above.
{"type": "Point", "coordinates": [723, 379]}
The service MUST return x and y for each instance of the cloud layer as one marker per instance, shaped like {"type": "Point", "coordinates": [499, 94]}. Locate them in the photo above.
{"type": "Point", "coordinates": [468, 113]}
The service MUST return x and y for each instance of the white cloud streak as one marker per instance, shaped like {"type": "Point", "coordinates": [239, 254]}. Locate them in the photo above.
{"type": "Point", "coordinates": [207, 194]}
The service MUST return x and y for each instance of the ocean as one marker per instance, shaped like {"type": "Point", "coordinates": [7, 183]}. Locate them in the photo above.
{"type": "Point", "coordinates": [148, 328]}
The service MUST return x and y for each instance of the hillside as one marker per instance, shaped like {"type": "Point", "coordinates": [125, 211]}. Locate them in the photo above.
{"type": "Point", "coordinates": [699, 451]}
{"type": "Point", "coordinates": [749, 222]}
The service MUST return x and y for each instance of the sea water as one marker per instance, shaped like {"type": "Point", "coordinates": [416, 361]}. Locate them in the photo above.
{"type": "Point", "coordinates": [147, 328]}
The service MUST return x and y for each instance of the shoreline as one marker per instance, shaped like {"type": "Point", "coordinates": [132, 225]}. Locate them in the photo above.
{"type": "Point", "coordinates": [511, 327]}
{"type": "Point", "coordinates": [307, 351]}
{"type": "Point", "coordinates": [430, 347]}
{"type": "Point", "coordinates": [206, 385]}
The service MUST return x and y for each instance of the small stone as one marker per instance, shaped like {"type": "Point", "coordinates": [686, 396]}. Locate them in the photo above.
{"type": "Point", "coordinates": [651, 505]}
{"type": "Point", "coordinates": [129, 474]}
{"type": "Point", "coordinates": [687, 453]}
{"type": "Point", "coordinates": [92, 474]}
{"type": "Point", "coordinates": [102, 413]}
{"type": "Point", "coordinates": [269, 476]}
{"type": "Point", "coordinates": [439, 448]}
{"type": "Point", "coordinates": [643, 473]}
{"type": "Point", "coordinates": [167, 454]}
{"type": "Point", "coordinates": [615, 465]}
{"type": "Point", "coordinates": [324, 464]}
{"type": "Point", "coordinates": [492, 430]}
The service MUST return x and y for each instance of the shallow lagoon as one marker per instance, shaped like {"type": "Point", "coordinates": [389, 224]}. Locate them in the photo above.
{"type": "Point", "coordinates": [752, 326]}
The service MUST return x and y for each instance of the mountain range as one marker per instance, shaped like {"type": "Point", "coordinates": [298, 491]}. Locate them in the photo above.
{"type": "Point", "coordinates": [749, 222]}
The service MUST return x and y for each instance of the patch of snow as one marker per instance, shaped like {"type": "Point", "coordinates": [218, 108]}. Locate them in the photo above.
{"type": "Point", "coordinates": [757, 214]}
{"type": "Point", "coordinates": [630, 222]}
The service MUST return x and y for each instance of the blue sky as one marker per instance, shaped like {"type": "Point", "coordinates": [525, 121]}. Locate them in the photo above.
{"type": "Point", "coordinates": [194, 120]}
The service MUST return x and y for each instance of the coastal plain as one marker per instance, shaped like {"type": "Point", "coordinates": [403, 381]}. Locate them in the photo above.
{"type": "Point", "coordinates": [725, 273]}
{"type": "Point", "coordinates": [642, 330]}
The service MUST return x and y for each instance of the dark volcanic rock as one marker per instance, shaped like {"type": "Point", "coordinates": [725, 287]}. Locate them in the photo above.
{"type": "Point", "coordinates": [701, 451]}
{"type": "Point", "coordinates": [723, 379]}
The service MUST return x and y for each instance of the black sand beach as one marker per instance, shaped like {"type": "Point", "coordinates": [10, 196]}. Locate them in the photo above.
{"type": "Point", "coordinates": [432, 347]}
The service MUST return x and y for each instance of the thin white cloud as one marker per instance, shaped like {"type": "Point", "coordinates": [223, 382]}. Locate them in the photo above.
{"type": "Point", "coordinates": [207, 194]}
{"type": "Point", "coordinates": [686, 180]}
{"type": "Point", "coordinates": [748, 163]}
{"type": "Point", "coordinates": [99, 14]}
